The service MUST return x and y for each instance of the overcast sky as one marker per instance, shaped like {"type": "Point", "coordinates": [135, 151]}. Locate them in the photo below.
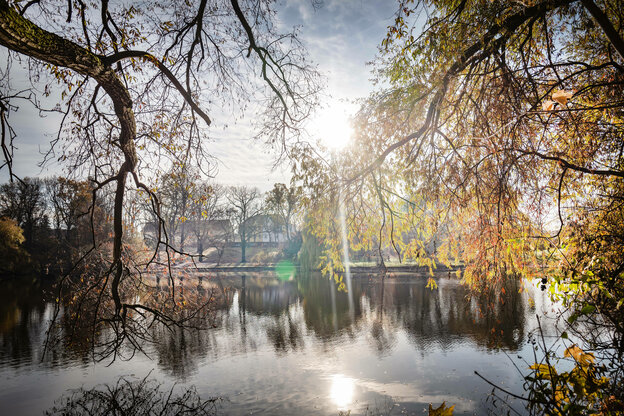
{"type": "Point", "coordinates": [341, 37]}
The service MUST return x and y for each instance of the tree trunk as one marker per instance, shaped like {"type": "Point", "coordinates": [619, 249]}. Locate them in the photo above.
{"type": "Point", "coordinates": [21, 35]}
{"type": "Point", "coordinates": [182, 236]}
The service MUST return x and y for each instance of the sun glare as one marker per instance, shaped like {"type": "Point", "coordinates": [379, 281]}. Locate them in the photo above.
{"type": "Point", "coordinates": [341, 392]}
{"type": "Point", "coordinates": [332, 126]}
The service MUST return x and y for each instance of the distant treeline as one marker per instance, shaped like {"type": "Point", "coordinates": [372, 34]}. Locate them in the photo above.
{"type": "Point", "coordinates": [47, 224]}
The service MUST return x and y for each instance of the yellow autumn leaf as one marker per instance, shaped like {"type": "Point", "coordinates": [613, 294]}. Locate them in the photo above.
{"type": "Point", "coordinates": [544, 370]}
{"type": "Point", "coordinates": [441, 411]}
{"type": "Point", "coordinates": [562, 96]}
{"type": "Point", "coordinates": [580, 356]}
{"type": "Point", "coordinates": [431, 284]}
{"type": "Point", "coordinates": [548, 105]}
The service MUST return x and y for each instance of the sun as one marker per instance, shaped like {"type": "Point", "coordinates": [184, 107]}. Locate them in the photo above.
{"type": "Point", "coordinates": [332, 126]}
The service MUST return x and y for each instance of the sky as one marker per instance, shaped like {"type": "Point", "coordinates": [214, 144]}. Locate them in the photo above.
{"type": "Point", "coordinates": [341, 36]}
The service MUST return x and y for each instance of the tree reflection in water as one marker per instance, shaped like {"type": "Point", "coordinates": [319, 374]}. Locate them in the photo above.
{"type": "Point", "coordinates": [448, 315]}
{"type": "Point", "coordinates": [257, 310]}
{"type": "Point", "coordinates": [135, 397]}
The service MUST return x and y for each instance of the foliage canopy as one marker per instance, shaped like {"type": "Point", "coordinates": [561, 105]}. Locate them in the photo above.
{"type": "Point", "coordinates": [495, 140]}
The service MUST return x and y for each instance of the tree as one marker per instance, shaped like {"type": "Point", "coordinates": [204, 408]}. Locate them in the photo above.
{"type": "Point", "coordinates": [80, 222]}
{"type": "Point", "coordinates": [23, 201]}
{"type": "Point", "coordinates": [502, 120]}
{"type": "Point", "coordinates": [11, 252]}
{"type": "Point", "coordinates": [245, 209]}
{"type": "Point", "coordinates": [205, 211]}
{"type": "Point", "coordinates": [283, 203]}
{"type": "Point", "coordinates": [177, 190]}
{"type": "Point", "coordinates": [520, 122]}
{"type": "Point", "coordinates": [134, 83]}
{"type": "Point", "coordinates": [71, 203]}
{"type": "Point", "coordinates": [499, 114]}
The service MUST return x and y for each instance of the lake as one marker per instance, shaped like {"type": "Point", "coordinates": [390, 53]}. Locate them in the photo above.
{"type": "Point", "coordinates": [299, 347]}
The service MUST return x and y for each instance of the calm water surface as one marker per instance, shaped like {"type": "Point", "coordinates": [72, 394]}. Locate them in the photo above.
{"type": "Point", "coordinates": [295, 348]}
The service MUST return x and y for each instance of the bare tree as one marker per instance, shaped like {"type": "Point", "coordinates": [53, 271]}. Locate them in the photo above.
{"type": "Point", "coordinates": [136, 83]}
{"type": "Point", "coordinates": [283, 203]}
{"type": "Point", "coordinates": [206, 214]}
{"type": "Point", "coordinates": [131, 396]}
{"type": "Point", "coordinates": [177, 191]}
{"type": "Point", "coordinates": [245, 202]}
{"type": "Point", "coordinates": [70, 201]}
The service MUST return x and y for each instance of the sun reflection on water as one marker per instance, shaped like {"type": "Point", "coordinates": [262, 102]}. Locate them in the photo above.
{"type": "Point", "coordinates": [341, 392]}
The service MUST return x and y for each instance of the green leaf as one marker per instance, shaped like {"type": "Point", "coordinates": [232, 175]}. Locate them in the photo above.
{"type": "Point", "coordinates": [587, 309]}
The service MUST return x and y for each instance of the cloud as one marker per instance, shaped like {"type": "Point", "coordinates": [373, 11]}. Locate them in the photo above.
{"type": "Point", "coordinates": [243, 161]}
{"type": "Point", "coordinates": [33, 136]}
{"type": "Point", "coordinates": [341, 37]}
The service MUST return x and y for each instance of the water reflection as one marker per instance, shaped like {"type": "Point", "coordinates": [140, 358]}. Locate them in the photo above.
{"type": "Point", "coordinates": [270, 336]}
{"type": "Point", "coordinates": [341, 392]}
{"type": "Point", "coordinates": [284, 333]}
{"type": "Point", "coordinates": [23, 312]}
{"type": "Point", "coordinates": [260, 310]}
{"type": "Point", "coordinates": [284, 312]}
{"type": "Point", "coordinates": [129, 396]}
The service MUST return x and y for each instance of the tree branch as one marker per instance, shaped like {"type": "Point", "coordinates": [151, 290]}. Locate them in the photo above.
{"type": "Point", "coordinates": [565, 164]}
{"type": "Point", "coordinates": [491, 41]}
{"type": "Point", "coordinates": [111, 59]}
{"type": "Point", "coordinates": [606, 26]}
